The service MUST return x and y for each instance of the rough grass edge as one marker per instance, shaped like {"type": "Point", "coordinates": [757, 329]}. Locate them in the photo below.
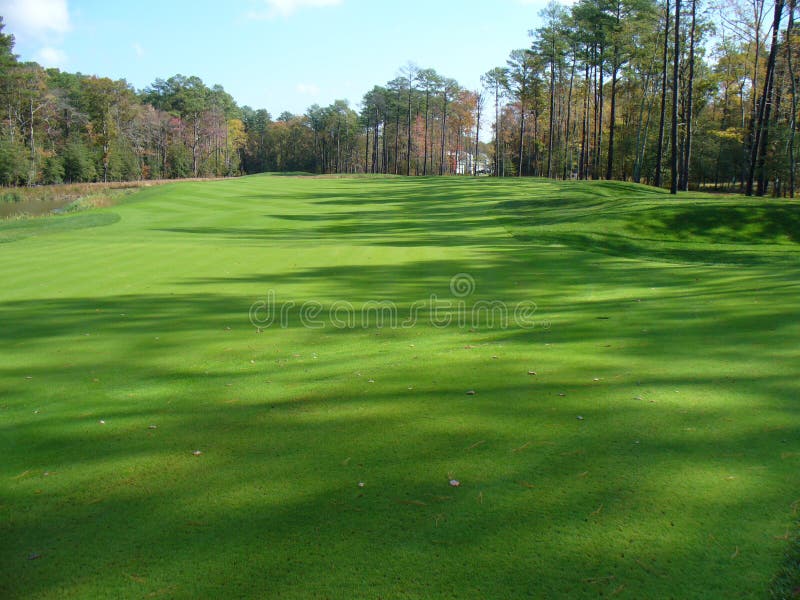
{"type": "Point", "coordinates": [786, 583]}
{"type": "Point", "coordinates": [39, 201]}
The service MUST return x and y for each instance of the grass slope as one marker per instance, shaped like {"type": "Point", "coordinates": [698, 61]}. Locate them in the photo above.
{"type": "Point", "coordinates": [669, 326]}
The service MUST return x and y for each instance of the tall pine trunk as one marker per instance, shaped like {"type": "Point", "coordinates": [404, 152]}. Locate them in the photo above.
{"type": "Point", "coordinates": [675, 63]}
{"type": "Point", "coordinates": [687, 153]}
{"type": "Point", "coordinates": [613, 118]}
{"type": "Point", "coordinates": [521, 137]}
{"type": "Point", "coordinates": [497, 128]}
{"type": "Point", "coordinates": [425, 155]}
{"type": "Point", "coordinates": [444, 133]}
{"type": "Point", "coordinates": [582, 167]}
{"type": "Point", "coordinates": [658, 181]}
{"type": "Point", "coordinates": [552, 111]}
{"type": "Point", "coordinates": [567, 132]}
{"type": "Point", "coordinates": [599, 112]}
{"type": "Point", "coordinates": [408, 145]}
{"type": "Point", "coordinates": [397, 142]}
{"type": "Point", "coordinates": [758, 152]}
{"type": "Point", "coordinates": [792, 120]}
{"type": "Point", "coordinates": [477, 137]}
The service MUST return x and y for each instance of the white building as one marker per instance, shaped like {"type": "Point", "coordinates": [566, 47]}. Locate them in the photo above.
{"type": "Point", "coordinates": [465, 163]}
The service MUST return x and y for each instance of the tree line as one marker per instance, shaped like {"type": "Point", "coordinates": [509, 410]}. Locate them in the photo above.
{"type": "Point", "coordinates": [667, 92]}
{"type": "Point", "coordinates": [672, 92]}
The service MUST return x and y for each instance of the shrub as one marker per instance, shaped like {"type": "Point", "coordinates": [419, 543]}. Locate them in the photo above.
{"type": "Point", "coordinates": [78, 164]}
{"type": "Point", "coordinates": [53, 171]}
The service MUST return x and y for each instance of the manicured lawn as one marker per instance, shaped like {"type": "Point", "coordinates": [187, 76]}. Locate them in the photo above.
{"type": "Point", "coordinates": [654, 453]}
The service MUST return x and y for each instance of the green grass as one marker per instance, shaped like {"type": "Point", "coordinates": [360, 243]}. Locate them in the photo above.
{"type": "Point", "coordinates": [670, 326]}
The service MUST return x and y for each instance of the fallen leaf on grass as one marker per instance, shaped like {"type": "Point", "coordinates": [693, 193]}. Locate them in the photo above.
{"type": "Point", "coordinates": [166, 591]}
{"type": "Point", "coordinates": [641, 564]}
{"type": "Point", "coordinates": [412, 502]}
{"type": "Point", "coordinates": [525, 484]}
{"type": "Point", "coordinates": [476, 444]}
{"type": "Point", "coordinates": [439, 498]}
{"type": "Point", "coordinates": [521, 448]}
{"type": "Point", "coordinates": [577, 452]}
{"type": "Point", "coordinates": [600, 579]}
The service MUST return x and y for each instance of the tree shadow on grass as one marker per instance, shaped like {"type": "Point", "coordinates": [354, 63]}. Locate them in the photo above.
{"type": "Point", "coordinates": [734, 231]}
{"type": "Point", "coordinates": [763, 224]}
{"type": "Point", "coordinates": [548, 505]}
{"type": "Point", "coordinates": [288, 423]}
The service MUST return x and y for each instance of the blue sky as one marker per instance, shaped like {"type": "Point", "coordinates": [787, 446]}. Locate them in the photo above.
{"type": "Point", "coordinates": [273, 54]}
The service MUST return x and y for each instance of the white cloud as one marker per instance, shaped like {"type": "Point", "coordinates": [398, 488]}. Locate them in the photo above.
{"type": "Point", "coordinates": [286, 8]}
{"type": "Point", "coordinates": [51, 57]}
{"type": "Point", "coordinates": [137, 48]}
{"type": "Point", "coordinates": [307, 89]}
{"type": "Point", "coordinates": [38, 19]}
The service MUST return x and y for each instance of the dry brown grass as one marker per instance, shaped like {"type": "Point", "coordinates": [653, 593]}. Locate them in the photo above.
{"type": "Point", "coordinates": [16, 202]}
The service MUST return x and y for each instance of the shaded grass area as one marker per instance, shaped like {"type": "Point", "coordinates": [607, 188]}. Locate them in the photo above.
{"type": "Point", "coordinates": [645, 222]}
{"type": "Point", "coordinates": [11, 231]}
{"type": "Point", "coordinates": [787, 581]}
{"type": "Point", "coordinates": [678, 480]}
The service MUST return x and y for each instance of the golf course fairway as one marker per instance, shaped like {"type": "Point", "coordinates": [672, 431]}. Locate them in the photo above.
{"type": "Point", "coordinates": [280, 387]}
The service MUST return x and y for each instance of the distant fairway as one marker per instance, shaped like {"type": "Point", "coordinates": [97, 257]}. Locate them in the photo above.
{"type": "Point", "coordinates": [636, 436]}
